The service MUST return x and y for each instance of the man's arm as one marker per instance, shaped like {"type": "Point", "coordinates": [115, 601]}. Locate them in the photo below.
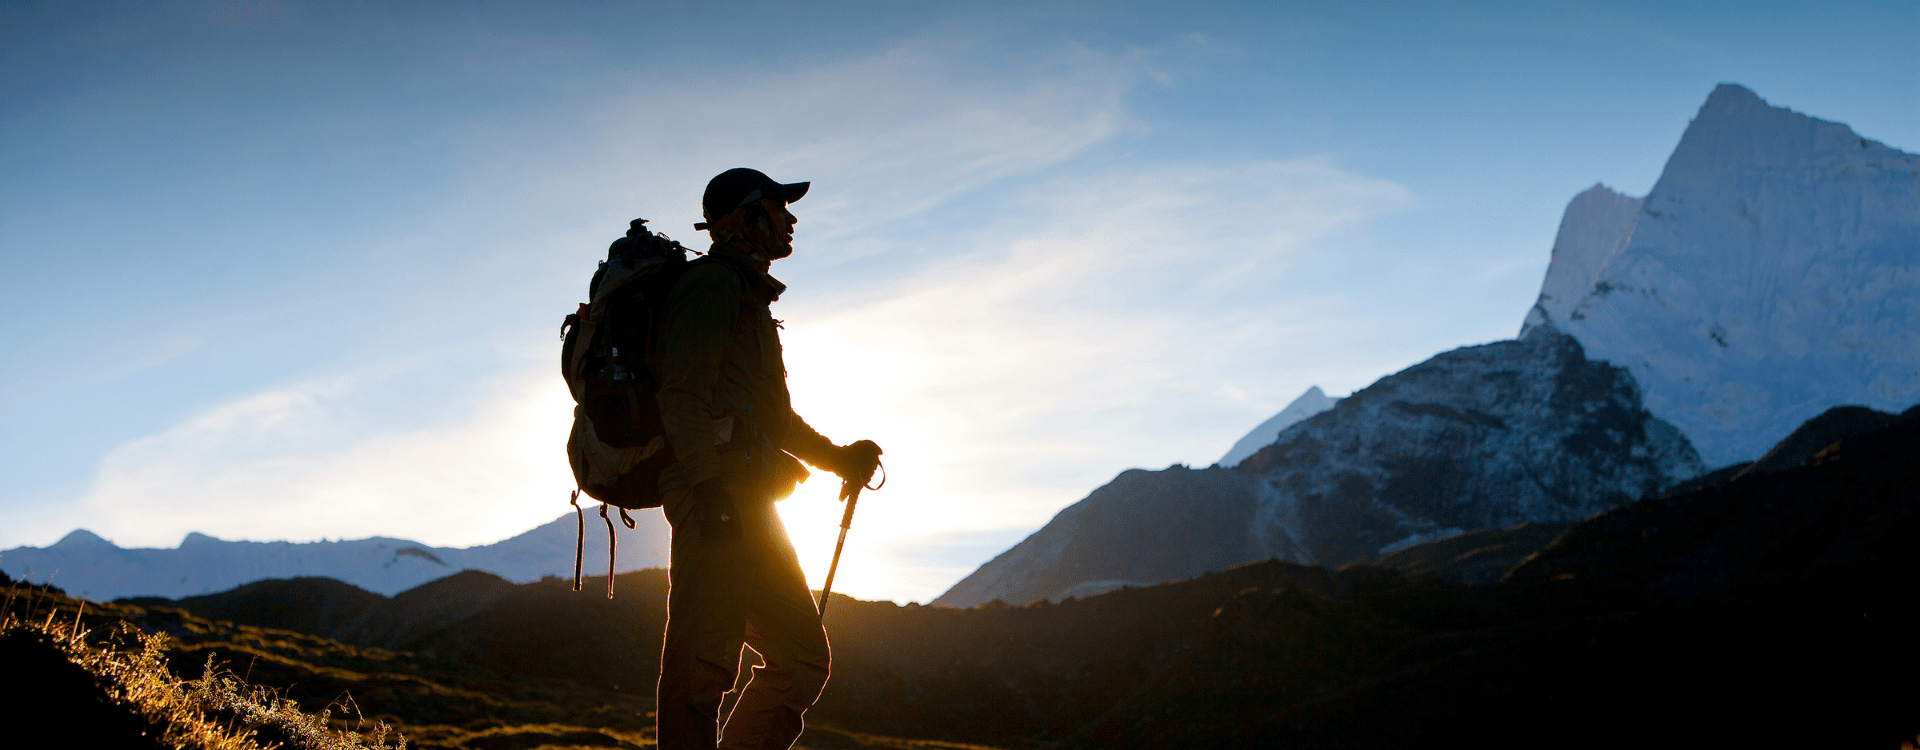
{"type": "Point", "coordinates": [853, 462]}
{"type": "Point", "coordinates": [807, 444]}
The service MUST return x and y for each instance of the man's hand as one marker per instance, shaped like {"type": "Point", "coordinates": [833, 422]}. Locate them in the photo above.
{"type": "Point", "coordinates": [713, 512]}
{"type": "Point", "coordinates": [856, 463]}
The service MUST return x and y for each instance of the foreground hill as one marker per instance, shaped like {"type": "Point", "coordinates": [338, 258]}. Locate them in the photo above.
{"type": "Point", "coordinates": [534, 697]}
{"type": "Point", "coordinates": [1769, 606]}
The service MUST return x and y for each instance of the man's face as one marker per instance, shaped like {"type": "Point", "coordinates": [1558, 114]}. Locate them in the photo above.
{"type": "Point", "coordinates": [780, 221]}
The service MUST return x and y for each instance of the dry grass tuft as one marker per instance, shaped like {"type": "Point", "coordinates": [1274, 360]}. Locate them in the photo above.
{"type": "Point", "coordinates": [218, 711]}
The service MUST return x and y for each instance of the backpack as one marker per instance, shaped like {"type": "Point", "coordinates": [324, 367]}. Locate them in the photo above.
{"type": "Point", "coordinates": [611, 362]}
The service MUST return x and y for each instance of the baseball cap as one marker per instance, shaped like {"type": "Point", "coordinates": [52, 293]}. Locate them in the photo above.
{"type": "Point", "coordinates": [740, 186]}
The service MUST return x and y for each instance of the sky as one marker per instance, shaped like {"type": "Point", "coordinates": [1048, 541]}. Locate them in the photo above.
{"type": "Point", "coordinates": [288, 270]}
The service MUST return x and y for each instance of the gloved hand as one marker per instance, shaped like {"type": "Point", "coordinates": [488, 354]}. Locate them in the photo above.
{"type": "Point", "coordinates": [713, 512]}
{"type": "Point", "coordinates": [855, 463]}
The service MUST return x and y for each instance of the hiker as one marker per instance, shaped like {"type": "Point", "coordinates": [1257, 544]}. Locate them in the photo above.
{"type": "Point", "coordinates": [724, 403]}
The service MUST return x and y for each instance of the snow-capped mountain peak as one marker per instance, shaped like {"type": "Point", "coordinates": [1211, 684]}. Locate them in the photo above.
{"type": "Point", "coordinates": [1771, 273]}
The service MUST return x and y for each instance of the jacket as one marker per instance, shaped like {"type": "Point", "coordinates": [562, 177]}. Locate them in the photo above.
{"type": "Point", "coordinates": [723, 386]}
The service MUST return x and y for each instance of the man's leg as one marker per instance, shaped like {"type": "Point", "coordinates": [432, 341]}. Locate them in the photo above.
{"type": "Point", "coordinates": [784, 627]}
{"type": "Point", "coordinates": [706, 624]}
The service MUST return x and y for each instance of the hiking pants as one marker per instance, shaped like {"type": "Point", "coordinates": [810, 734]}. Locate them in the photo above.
{"type": "Point", "coordinates": [722, 594]}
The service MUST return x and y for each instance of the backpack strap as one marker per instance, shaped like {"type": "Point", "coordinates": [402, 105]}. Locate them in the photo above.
{"type": "Point", "coordinates": [610, 544]}
{"type": "Point", "coordinates": [579, 538]}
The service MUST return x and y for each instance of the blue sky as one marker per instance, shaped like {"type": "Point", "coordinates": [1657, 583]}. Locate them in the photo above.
{"type": "Point", "coordinates": [296, 270]}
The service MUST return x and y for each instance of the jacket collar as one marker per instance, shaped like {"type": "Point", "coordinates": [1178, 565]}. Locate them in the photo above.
{"type": "Point", "coordinates": [764, 284]}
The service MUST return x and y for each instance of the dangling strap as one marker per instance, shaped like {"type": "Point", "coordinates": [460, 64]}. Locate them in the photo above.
{"type": "Point", "coordinates": [579, 537]}
{"type": "Point", "coordinates": [610, 546]}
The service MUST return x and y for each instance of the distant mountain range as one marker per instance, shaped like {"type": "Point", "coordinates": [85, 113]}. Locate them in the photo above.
{"type": "Point", "coordinates": [1773, 272]}
{"type": "Point", "coordinates": [89, 566]}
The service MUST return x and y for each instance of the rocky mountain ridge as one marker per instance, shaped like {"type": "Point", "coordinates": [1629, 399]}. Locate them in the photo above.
{"type": "Point", "coordinates": [1480, 437]}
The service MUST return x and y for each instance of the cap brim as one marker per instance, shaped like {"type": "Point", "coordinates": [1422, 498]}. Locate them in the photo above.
{"type": "Point", "coordinates": [789, 192]}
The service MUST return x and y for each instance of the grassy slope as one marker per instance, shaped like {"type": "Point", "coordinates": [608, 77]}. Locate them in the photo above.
{"type": "Point", "coordinates": [473, 701]}
{"type": "Point", "coordinates": [107, 684]}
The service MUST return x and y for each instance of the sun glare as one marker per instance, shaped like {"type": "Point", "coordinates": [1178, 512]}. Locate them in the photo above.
{"type": "Point", "coordinates": [812, 518]}
{"type": "Point", "coordinates": [854, 403]}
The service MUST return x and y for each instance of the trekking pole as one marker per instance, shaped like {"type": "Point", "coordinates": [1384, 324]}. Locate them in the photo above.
{"type": "Point", "coordinates": [850, 492]}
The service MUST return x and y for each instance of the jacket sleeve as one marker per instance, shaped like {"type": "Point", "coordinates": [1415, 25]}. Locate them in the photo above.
{"type": "Point", "coordinates": [807, 444]}
{"type": "Point", "coordinates": [700, 317]}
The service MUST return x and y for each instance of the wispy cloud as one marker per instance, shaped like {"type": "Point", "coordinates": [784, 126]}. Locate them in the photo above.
{"type": "Point", "coordinates": [301, 463]}
{"type": "Point", "coordinates": [884, 135]}
{"type": "Point", "coordinates": [171, 349]}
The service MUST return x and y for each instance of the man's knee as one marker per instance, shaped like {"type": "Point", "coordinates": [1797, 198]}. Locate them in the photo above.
{"type": "Point", "coordinates": [804, 676]}
{"type": "Point", "coordinates": [810, 678]}
{"type": "Point", "coordinates": [695, 679]}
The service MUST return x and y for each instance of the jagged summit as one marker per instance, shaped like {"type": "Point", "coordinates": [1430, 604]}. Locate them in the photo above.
{"type": "Point", "coordinates": [1308, 404]}
{"type": "Point", "coordinates": [1596, 225]}
{"type": "Point", "coordinates": [1772, 272]}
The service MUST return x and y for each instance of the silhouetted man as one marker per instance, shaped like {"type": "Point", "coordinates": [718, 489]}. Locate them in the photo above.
{"type": "Point", "coordinates": [724, 401]}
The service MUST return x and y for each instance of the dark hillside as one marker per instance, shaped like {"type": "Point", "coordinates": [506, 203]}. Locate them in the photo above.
{"type": "Point", "coordinates": [1815, 435]}
{"type": "Point", "coordinates": [1035, 673]}
{"type": "Point", "coordinates": [424, 609]}
{"type": "Point", "coordinates": [1476, 558]}
{"type": "Point", "coordinates": [1836, 530]}
{"type": "Point", "coordinates": [547, 631]}
{"type": "Point", "coordinates": [435, 703]}
{"type": "Point", "coordinates": [1772, 605]}
{"type": "Point", "coordinates": [311, 605]}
